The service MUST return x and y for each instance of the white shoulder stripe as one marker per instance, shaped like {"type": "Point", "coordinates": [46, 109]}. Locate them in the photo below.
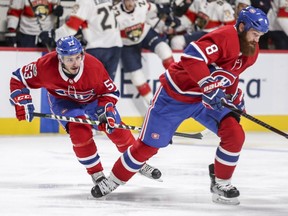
{"type": "Point", "coordinates": [200, 51]}
{"type": "Point", "coordinates": [192, 57]}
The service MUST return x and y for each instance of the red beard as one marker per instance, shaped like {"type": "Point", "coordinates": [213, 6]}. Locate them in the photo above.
{"type": "Point", "coordinates": [247, 48]}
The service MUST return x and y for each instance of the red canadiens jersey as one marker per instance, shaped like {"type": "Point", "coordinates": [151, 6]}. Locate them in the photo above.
{"type": "Point", "coordinates": [216, 54]}
{"type": "Point", "coordinates": [91, 83]}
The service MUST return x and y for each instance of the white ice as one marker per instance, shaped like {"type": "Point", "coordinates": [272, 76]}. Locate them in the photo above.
{"type": "Point", "coordinates": [40, 175]}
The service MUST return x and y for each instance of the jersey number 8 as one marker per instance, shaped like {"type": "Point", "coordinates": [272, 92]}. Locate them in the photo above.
{"type": "Point", "coordinates": [211, 49]}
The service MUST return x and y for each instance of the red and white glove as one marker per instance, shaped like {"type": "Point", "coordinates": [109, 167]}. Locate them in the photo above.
{"type": "Point", "coordinates": [22, 101]}
{"type": "Point", "coordinates": [107, 118]}
{"type": "Point", "coordinates": [236, 100]}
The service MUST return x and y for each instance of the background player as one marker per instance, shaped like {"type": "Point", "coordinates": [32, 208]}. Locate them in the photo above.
{"type": "Point", "coordinates": [26, 19]}
{"type": "Point", "coordinates": [195, 87]}
{"type": "Point", "coordinates": [136, 34]}
{"type": "Point", "coordinates": [78, 86]}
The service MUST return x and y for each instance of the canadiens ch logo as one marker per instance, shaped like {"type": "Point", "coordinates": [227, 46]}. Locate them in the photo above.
{"type": "Point", "coordinates": [155, 136]}
{"type": "Point", "coordinates": [76, 95]}
{"type": "Point", "coordinates": [226, 77]}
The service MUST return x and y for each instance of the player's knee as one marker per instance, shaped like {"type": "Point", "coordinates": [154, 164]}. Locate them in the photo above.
{"type": "Point", "coordinates": [163, 50]}
{"type": "Point", "coordinates": [178, 42]}
{"type": "Point", "coordinates": [231, 133]}
{"type": "Point", "coordinates": [80, 134]}
{"type": "Point", "coordinates": [142, 152]}
{"type": "Point", "coordinates": [122, 139]}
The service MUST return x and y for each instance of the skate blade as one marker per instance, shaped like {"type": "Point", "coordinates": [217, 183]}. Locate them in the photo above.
{"type": "Point", "coordinates": [225, 201]}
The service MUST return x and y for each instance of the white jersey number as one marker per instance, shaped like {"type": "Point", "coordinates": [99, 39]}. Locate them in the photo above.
{"type": "Point", "coordinates": [211, 49]}
{"type": "Point", "coordinates": [108, 16]}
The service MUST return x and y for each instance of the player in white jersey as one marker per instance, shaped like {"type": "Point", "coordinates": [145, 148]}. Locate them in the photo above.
{"type": "Point", "coordinates": [99, 28]}
{"type": "Point", "coordinates": [26, 19]}
{"type": "Point", "coordinates": [239, 5]}
{"type": "Point", "coordinates": [136, 34]}
{"type": "Point", "coordinates": [211, 15]}
{"type": "Point", "coordinates": [188, 20]}
{"type": "Point", "coordinates": [278, 17]}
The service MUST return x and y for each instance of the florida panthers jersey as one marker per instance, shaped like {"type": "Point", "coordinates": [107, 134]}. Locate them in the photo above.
{"type": "Point", "coordinates": [189, 18]}
{"type": "Point", "coordinates": [278, 16]}
{"type": "Point", "coordinates": [97, 21]}
{"type": "Point", "coordinates": [216, 54]}
{"type": "Point", "coordinates": [91, 83]}
{"type": "Point", "coordinates": [133, 25]}
{"type": "Point", "coordinates": [217, 13]}
{"type": "Point", "coordinates": [24, 13]}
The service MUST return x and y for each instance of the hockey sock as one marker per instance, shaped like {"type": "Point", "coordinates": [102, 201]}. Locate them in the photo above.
{"type": "Point", "coordinates": [84, 146]}
{"type": "Point", "coordinates": [132, 160]}
{"type": "Point", "coordinates": [166, 62]}
{"type": "Point", "coordinates": [227, 154]}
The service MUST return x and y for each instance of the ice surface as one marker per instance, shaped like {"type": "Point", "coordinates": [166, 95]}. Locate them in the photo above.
{"type": "Point", "coordinates": [40, 175]}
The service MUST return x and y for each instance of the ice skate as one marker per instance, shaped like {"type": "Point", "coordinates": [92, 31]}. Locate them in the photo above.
{"type": "Point", "coordinates": [222, 193]}
{"type": "Point", "coordinates": [103, 187]}
{"type": "Point", "coordinates": [150, 172]}
{"type": "Point", "coordinates": [96, 177]}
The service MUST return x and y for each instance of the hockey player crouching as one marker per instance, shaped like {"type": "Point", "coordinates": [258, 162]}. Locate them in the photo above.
{"type": "Point", "coordinates": [194, 88]}
{"type": "Point", "coordinates": [78, 86]}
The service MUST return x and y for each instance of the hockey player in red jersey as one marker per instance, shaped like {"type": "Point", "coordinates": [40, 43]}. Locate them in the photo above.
{"type": "Point", "coordinates": [78, 86]}
{"type": "Point", "coordinates": [195, 87]}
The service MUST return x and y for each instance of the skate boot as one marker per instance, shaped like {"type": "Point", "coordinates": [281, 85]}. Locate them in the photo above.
{"type": "Point", "coordinates": [97, 176]}
{"type": "Point", "coordinates": [150, 172]}
{"type": "Point", "coordinates": [103, 186]}
{"type": "Point", "coordinates": [223, 191]}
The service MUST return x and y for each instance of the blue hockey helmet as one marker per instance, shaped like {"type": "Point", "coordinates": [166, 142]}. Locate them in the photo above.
{"type": "Point", "coordinates": [67, 46]}
{"type": "Point", "coordinates": [253, 18]}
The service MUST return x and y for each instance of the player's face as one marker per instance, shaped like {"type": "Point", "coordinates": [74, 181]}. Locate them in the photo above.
{"type": "Point", "coordinates": [249, 41]}
{"type": "Point", "coordinates": [129, 5]}
{"type": "Point", "coordinates": [72, 63]}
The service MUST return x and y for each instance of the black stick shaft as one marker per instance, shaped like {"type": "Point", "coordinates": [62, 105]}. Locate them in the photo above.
{"type": "Point", "coordinates": [255, 120]}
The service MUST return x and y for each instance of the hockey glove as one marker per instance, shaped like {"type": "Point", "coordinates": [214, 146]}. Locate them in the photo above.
{"type": "Point", "coordinates": [10, 37]}
{"type": "Point", "coordinates": [172, 21]}
{"type": "Point", "coordinates": [47, 38]}
{"type": "Point", "coordinates": [22, 101]}
{"type": "Point", "coordinates": [107, 117]}
{"type": "Point", "coordinates": [236, 100]}
{"type": "Point", "coordinates": [212, 94]}
{"type": "Point", "coordinates": [58, 11]}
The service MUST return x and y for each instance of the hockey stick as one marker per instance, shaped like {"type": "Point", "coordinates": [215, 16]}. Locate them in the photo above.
{"type": "Point", "coordinates": [121, 126]}
{"type": "Point", "coordinates": [255, 120]}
